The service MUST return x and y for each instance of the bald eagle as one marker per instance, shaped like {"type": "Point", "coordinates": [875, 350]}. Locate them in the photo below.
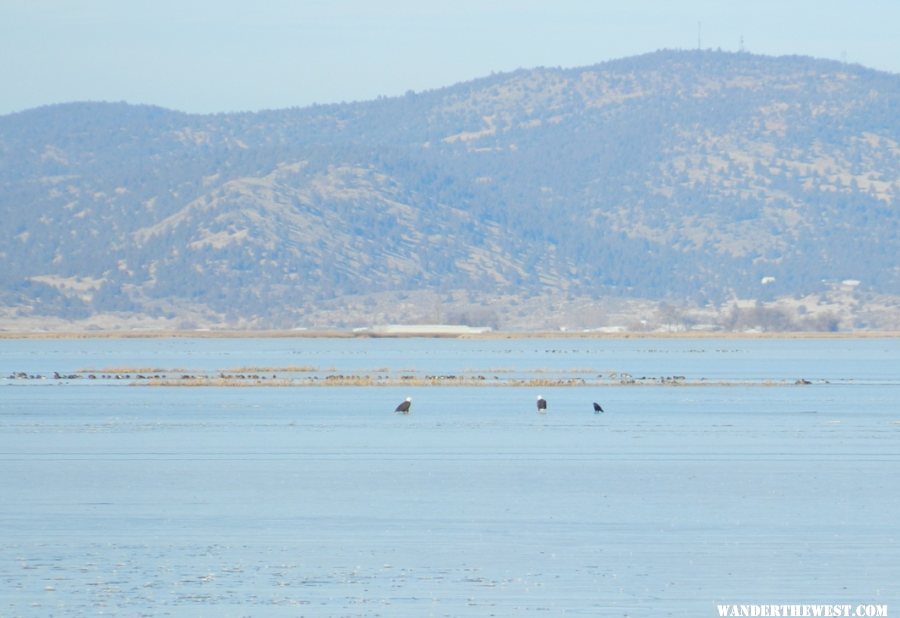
{"type": "Point", "coordinates": [541, 405]}
{"type": "Point", "coordinates": [404, 406]}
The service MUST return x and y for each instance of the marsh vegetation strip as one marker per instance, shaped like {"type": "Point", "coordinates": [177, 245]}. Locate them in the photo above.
{"type": "Point", "coordinates": [286, 377]}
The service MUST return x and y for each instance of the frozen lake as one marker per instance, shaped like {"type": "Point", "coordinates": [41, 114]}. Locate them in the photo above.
{"type": "Point", "coordinates": [736, 486]}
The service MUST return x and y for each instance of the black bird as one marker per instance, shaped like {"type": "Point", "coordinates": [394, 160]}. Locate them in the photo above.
{"type": "Point", "coordinates": [404, 406]}
{"type": "Point", "coordinates": [541, 405]}
{"type": "Point", "coordinates": [597, 408]}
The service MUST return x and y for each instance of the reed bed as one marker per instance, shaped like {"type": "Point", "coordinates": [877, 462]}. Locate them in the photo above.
{"type": "Point", "coordinates": [461, 381]}
{"type": "Point", "coordinates": [356, 381]}
{"type": "Point", "coordinates": [288, 369]}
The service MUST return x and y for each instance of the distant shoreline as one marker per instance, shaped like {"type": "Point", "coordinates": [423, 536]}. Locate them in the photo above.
{"type": "Point", "coordinates": [343, 334]}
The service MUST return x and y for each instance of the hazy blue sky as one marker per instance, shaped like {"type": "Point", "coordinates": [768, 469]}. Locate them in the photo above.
{"type": "Point", "coordinates": [228, 55]}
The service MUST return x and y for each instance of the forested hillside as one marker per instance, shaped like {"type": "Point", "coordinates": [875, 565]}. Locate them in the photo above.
{"type": "Point", "coordinates": [711, 189]}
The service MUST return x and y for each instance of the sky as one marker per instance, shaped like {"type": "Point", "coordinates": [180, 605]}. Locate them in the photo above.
{"type": "Point", "coordinates": [208, 56]}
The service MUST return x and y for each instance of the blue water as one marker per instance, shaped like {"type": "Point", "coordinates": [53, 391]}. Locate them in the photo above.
{"type": "Point", "coordinates": [741, 487]}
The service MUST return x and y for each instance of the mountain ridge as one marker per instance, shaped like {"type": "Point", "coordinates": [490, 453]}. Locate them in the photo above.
{"type": "Point", "coordinates": [688, 184]}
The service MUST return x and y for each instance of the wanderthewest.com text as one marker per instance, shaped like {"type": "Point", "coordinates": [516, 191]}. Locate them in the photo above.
{"type": "Point", "coordinates": [798, 609]}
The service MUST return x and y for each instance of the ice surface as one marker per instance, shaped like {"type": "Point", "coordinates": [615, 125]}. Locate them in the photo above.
{"type": "Point", "coordinates": [323, 502]}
